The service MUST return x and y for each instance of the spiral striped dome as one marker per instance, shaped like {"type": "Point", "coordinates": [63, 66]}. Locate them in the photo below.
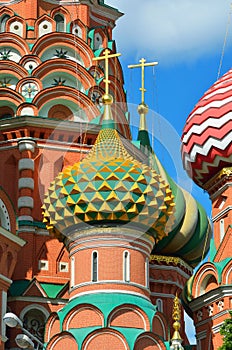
{"type": "Point", "coordinates": [207, 135]}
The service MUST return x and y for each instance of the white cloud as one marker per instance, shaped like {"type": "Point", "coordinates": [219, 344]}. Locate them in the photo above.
{"type": "Point", "coordinates": [171, 29]}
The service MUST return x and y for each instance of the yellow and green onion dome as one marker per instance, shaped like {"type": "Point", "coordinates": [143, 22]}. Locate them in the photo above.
{"type": "Point", "coordinates": [191, 234]}
{"type": "Point", "coordinates": [109, 187]}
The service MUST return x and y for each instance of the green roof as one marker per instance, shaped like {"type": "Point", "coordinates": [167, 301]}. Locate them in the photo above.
{"type": "Point", "coordinates": [52, 290]}
{"type": "Point", "coordinates": [17, 288]}
{"type": "Point", "coordinates": [106, 302]}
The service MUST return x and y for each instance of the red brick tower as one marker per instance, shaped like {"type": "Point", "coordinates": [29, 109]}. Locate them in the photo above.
{"type": "Point", "coordinates": [207, 156]}
{"type": "Point", "coordinates": [50, 108]}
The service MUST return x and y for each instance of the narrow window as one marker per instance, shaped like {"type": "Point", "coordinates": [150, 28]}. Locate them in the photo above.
{"type": "Point", "coordinates": [59, 23]}
{"type": "Point", "coordinates": [94, 267]}
{"type": "Point", "coordinates": [222, 229]}
{"type": "Point", "coordinates": [72, 281]}
{"type": "Point", "coordinates": [3, 23]}
{"type": "Point", "coordinates": [126, 266]}
{"type": "Point", "coordinates": [147, 273]}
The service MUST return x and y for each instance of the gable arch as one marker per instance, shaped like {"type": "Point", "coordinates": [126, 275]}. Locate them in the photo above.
{"type": "Point", "coordinates": [149, 341]}
{"type": "Point", "coordinates": [101, 338]}
{"type": "Point", "coordinates": [78, 29]}
{"type": "Point", "coordinates": [60, 10]}
{"type": "Point", "coordinates": [207, 275]}
{"type": "Point", "coordinates": [227, 274]}
{"type": "Point", "coordinates": [82, 316]}
{"type": "Point", "coordinates": [160, 326]}
{"type": "Point", "coordinates": [128, 316]}
{"type": "Point", "coordinates": [52, 327]}
{"type": "Point", "coordinates": [62, 341]}
{"type": "Point", "coordinates": [16, 44]}
{"type": "Point", "coordinates": [44, 25]}
{"type": "Point", "coordinates": [5, 15]}
{"type": "Point", "coordinates": [81, 106]}
{"type": "Point", "coordinates": [17, 25]}
{"type": "Point", "coordinates": [82, 50]}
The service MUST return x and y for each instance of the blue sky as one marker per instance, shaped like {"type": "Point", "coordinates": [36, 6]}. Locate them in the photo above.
{"type": "Point", "coordinates": [187, 38]}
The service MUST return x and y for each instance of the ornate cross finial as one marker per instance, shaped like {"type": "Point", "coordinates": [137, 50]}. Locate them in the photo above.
{"type": "Point", "coordinates": [142, 65]}
{"type": "Point", "coordinates": [106, 57]}
{"type": "Point", "coordinates": [176, 315]}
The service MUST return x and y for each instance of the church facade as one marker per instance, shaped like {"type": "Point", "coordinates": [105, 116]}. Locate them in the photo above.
{"type": "Point", "coordinates": [107, 259]}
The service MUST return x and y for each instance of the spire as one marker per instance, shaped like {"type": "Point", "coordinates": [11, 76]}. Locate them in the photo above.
{"type": "Point", "coordinates": [107, 99]}
{"type": "Point", "coordinates": [143, 136]}
{"type": "Point", "coordinates": [176, 315]}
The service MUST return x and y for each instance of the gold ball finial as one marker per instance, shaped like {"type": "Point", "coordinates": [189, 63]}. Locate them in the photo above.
{"type": "Point", "coordinates": [142, 108]}
{"type": "Point", "coordinates": [107, 99]}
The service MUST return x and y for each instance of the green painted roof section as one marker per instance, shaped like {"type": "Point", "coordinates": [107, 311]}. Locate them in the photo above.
{"type": "Point", "coordinates": [81, 333]}
{"type": "Point", "coordinates": [52, 290]}
{"type": "Point", "coordinates": [17, 288]}
{"type": "Point", "coordinates": [199, 234]}
{"type": "Point", "coordinates": [106, 302]}
{"type": "Point", "coordinates": [32, 223]}
{"type": "Point", "coordinates": [144, 139]}
{"type": "Point", "coordinates": [131, 334]}
{"type": "Point", "coordinates": [212, 250]}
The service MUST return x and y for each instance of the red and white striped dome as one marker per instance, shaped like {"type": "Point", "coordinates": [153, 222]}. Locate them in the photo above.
{"type": "Point", "coordinates": [207, 135]}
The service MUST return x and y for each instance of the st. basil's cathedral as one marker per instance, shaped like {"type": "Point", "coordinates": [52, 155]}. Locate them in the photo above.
{"type": "Point", "coordinates": [99, 246]}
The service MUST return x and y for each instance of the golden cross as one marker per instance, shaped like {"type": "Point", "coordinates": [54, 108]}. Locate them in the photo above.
{"type": "Point", "coordinates": [106, 58]}
{"type": "Point", "coordinates": [143, 64]}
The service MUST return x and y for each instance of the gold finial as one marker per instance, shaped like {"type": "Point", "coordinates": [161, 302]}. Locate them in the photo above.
{"type": "Point", "coordinates": [176, 315]}
{"type": "Point", "coordinates": [142, 65]}
{"type": "Point", "coordinates": [107, 99]}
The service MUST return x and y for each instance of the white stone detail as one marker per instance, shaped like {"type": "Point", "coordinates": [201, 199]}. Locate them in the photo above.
{"type": "Point", "coordinates": [26, 145]}
{"type": "Point", "coordinates": [45, 27]}
{"type": "Point", "coordinates": [199, 315]}
{"type": "Point", "coordinates": [17, 28]}
{"type": "Point", "coordinates": [25, 202]}
{"type": "Point", "coordinates": [26, 182]}
{"type": "Point", "coordinates": [25, 218]}
{"type": "Point", "coordinates": [221, 305]}
{"type": "Point", "coordinates": [27, 111]}
{"type": "Point", "coordinates": [26, 164]}
{"type": "Point", "coordinates": [4, 216]}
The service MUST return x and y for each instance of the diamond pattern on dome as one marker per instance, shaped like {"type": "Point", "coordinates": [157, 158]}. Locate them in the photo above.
{"type": "Point", "coordinates": [109, 186]}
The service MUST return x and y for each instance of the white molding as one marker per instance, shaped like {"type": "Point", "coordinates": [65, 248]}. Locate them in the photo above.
{"type": "Point", "coordinates": [168, 268]}
{"type": "Point", "coordinates": [110, 291]}
{"type": "Point", "coordinates": [26, 164]}
{"type": "Point", "coordinates": [25, 202]}
{"type": "Point", "coordinates": [12, 237]}
{"type": "Point", "coordinates": [42, 300]}
{"type": "Point", "coordinates": [222, 213]}
{"type": "Point", "coordinates": [5, 279]}
{"type": "Point", "coordinates": [26, 182]}
{"type": "Point", "coordinates": [33, 307]}
{"type": "Point", "coordinates": [103, 282]}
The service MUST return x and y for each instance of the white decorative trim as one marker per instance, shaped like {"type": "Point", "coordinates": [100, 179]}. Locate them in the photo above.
{"type": "Point", "coordinates": [12, 237]}
{"type": "Point", "coordinates": [102, 245]}
{"type": "Point", "coordinates": [103, 282]}
{"type": "Point", "coordinates": [110, 291]}
{"type": "Point", "coordinates": [26, 164]}
{"type": "Point", "coordinates": [163, 295]}
{"type": "Point", "coordinates": [25, 202]}
{"type": "Point", "coordinates": [26, 145]}
{"type": "Point", "coordinates": [42, 300]}
{"type": "Point", "coordinates": [26, 182]}
{"type": "Point", "coordinates": [5, 279]}
{"type": "Point", "coordinates": [3, 312]}
{"type": "Point", "coordinates": [4, 216]}
{"type": "Point", "coordinates": [25, 218]}
{"type": "Point", "coordinates": [168, 282]}
{"type": "Point", "coordinates": [33, 307]}
{"type": "Point", "coordinates": [222, 213]}
{"type": "Point", "coordinates": [170, 268]}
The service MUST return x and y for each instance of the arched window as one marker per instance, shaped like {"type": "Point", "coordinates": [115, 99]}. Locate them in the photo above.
{"type": "Point", "coordinates": [159, 304]}
{"type": "Point", "coordinates": [59, 23]}
{"type": "Point", "coordinates": [6, 112]}
{"type": "Point", "coordinates": [3, 23]}
{"type": "Point", "coordinates": [94, 267]}
{"type": "Point", "coordinates": [34, 321]}
{"type": "Point", "coordinates": [126, 266]}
